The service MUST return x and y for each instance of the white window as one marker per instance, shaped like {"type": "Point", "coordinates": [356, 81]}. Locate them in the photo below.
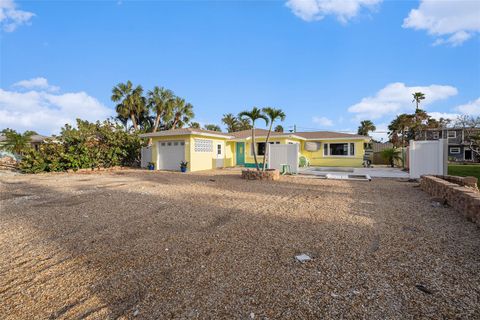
{"type": "Point", "coordinates": [435, 135]}
{"type": "Point", "coordinates": [203, 145]}
{"type": "Point", "coordinates": [454, 150]}
{"type": "Point", "coordinates": [339, 149]}
{"type": "Point", "coordinates": [219, 149]}
{"type": "Point", "coordinates": [452, 134]}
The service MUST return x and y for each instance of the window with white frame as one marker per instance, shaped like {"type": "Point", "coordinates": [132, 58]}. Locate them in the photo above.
{"type": "Point", "coordinates": [219, 149]}
{"type": "Point", "coordinates": [454, 150]}
{"type": "Point", "coordinates": [339, 149]}
{"type": "Point", "coordinates": [452, 134]}
{"type": "Point", "coordinates": [203, 145]}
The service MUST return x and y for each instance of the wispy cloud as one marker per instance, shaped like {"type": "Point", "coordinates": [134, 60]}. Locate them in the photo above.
{"type": "Point", "coordinates": [449, 21]}
{"type": "Point", "coordinates": [471, 108]}
{"type": "Point", "coordinates": [323, 121]}
{"type": "Point", "coordinates": [36, 83]}
{"type": "Point", "coordinates": [396, 98]}
{"type": "Point", "coordinates": [314, 10]}
{"type": "Point", "coordinates": [11, 18]}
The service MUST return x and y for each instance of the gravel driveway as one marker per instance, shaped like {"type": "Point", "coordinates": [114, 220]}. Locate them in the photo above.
{"type": "Point", "coordinates": [152, 245]}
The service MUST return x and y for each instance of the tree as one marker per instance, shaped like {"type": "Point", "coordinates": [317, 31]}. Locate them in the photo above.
{"type": "Point", "coordinates": [15, 142]}
{"type": "Point", "coordinates": [212, 127]}
{"type": "Point", "coordinates": [278, 128]}
{"type": "Point", "coordinates": [160, 102]}
{"type": "Point", "coordinates": [253, 115]}
{"type": "Point", "coordinates": [471, 132]}
{"type": "Point", "coordinates": [365, 127]}
{"type": "Point", "coordinates": [391, 155]}
{"type": "Point", "coordinates": [195, 125]}
{"type": "Point", "coordinates": [182, 113]}
{"type": "Point", "coordinates": [400, 128]}
{"type": "Point", "coordinates": [244, 124]}
{"type": "Point", "coordinates": [417, 98]}
{"type": "Point", "coordinates": [231, 122]}
{"type": "Point", "coordinates": [273, 115]}
{"type": "Point", "coordinates": [130, 102]}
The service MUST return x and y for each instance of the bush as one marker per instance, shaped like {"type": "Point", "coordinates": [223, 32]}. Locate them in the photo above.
{"type": "Point", "coordinates": [90, 145]}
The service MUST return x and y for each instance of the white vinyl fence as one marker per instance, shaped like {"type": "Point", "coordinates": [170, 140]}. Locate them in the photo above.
{"type": "Point", "coordinates": [428, 157]}
{"type": "Point", "coordinates": [279, 154]}
{"type": "Point", "coordinates": [146, 156]}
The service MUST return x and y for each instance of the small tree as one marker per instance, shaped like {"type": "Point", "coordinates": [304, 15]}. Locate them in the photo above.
{"type": "Point", "coordinates": [278, 128]}
{"type": "Point", "coordinates": [231, 122]}
{"type": "Point", "coordinates": [471, 133]}
{"type": "Point", "coordinates": [391, 155]}
{"type": "Point", "coordinates": [15, 142]}
{"type": "Point", "coordinates": [212, 127]}
{"type": "Point", "coordinates": [253, 115]}
{"type": "Point", "coordinates": [194, 125]}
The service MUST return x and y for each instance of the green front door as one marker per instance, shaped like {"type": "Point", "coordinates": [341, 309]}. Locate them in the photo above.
{"type": "Point", "coordinates": [240, 151]}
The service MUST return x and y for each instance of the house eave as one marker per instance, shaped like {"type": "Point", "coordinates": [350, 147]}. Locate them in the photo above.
{"type": "Point", "coordinates": [169, 134]}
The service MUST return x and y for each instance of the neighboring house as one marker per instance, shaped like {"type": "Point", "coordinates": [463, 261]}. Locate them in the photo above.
{"type": "Point", "coordinates": [35, 140]}
{"type": "Point", "coordinates": [458, 148]}
{"type": "Point", "coordinates": [204, 149]}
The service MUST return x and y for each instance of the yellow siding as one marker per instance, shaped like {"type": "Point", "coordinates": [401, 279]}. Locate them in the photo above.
{"type": "Point", "coordinates": [318, 159]}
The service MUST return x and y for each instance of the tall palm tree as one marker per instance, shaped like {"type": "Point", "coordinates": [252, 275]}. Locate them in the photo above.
{"type": "Point", "coordinates": [182, 113]}
{"type": "Point", "coordinates": [253, 115]}
{"type": "Point", "coordinates": [130, 102]}
{"type": "Point", "coordinates": [272, 114]}
{"type": "Point", "coordinates": [160, 102]}
{"type": "Point", "coordinates": [365, 127]}
{"type": "Point", "coordinates": [244, 124]}
{"type": "Point", "coordinates": [417, 98]}
{"type": "Point", "coordinates": [231, 122]}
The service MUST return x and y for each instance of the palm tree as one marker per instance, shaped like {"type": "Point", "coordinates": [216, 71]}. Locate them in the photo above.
{"type": "Point", "coordinates": [417, 98]}
{"type": "Point", "coordinates": [272, 114]}
{"type": "Point", "coordinates": [231, 122]}
{"type": "Point", "coordinates": [278, 128]}
{"type": "Point", "coordinates": [16, 143]}
{"type": "Point", "coordinates": [182, 113]}
{"type": "Point", "coordinates": [212, 127]}
{"type": "Point", "coordinates": [130, 102]}
{"type": "Point", "coordinates": [365, 127]}
{"type": "Point", "coordinates": [194, 125]}
{"type": "Point", "coordinates": [160, 102]}
{"type": "Point", "coordinates": [244, 124]}
{"type": "Point", "coordinates": [253, 115]}
{"type": "Point", "coordinates": [391, 155]}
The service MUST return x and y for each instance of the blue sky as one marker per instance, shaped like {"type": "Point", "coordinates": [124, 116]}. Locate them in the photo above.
{"type": "Point", "coordinates": [327, 64]}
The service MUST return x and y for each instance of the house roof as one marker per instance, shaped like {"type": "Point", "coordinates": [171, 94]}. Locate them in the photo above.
{"type": "Point", "coordinates": [186, 131]}
{"type": "Point", "coordinates": [246, 134]}
{"type": "Point", "coordinates": [33, 138]}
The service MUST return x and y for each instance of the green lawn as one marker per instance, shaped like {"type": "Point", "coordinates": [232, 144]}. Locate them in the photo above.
{"type": "Point", "coordinates": [465, 170]}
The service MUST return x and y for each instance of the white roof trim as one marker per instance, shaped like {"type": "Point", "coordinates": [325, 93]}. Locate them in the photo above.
{"type": "Point", "coordinates": [168, 134]}
{"type": "Point", "coordinates": [277, 136]}
{"type": "Point", "coordinates": [339, 138]}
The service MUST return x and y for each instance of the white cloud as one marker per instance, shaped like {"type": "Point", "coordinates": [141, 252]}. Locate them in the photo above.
{"type": "Point", "coordinates": [396, 98]}
{"type": "Point", "coordinates": [47, 112]}
{"type": "Point", "coordinates": [323, 121]}
{"type": "Point", "coordinates": [36, 83]}
{"type": "Point", "coordinates": [450, 21]}
{"type": "Point", "coordinates": [471, 108]}
{"type": "Point", "coordinates": [11, 18]}
{"type": "Point", "coordinates": [311, 10]}
{"type": "Point", "coordinates": [444, 115]}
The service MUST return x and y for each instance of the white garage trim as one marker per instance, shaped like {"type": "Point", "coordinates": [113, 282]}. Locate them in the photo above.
{"type": "Point", "coordinates": [169, 154]}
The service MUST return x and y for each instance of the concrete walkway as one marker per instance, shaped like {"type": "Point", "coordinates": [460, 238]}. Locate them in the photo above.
{"type": "Point", "coordinates": [375, 172]}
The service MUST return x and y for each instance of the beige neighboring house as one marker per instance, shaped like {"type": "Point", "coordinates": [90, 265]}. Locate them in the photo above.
{"type": "Point", "coordinates": [35, 140]}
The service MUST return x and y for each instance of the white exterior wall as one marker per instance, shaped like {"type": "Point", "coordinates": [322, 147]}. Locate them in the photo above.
{"type": "Point", "coordinates": [428, 157]}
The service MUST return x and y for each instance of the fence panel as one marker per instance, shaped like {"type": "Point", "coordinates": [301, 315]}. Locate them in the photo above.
{"type": "Point", "coordinates": [428, 157]}
{"type": "Point", "coordinates": [279, 154]}
{"type": "Point", "coordinates": [146, 156]}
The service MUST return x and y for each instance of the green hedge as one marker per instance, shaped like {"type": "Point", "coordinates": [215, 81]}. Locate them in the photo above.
{"type": "Point", "coordinates": [90, 145]}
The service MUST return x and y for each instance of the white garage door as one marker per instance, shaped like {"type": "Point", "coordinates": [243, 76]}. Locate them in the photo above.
{"type": "Point", "coordinates": [170, 154]}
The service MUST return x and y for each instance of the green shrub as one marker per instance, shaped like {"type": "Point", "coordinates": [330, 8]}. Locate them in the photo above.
{"type": "Point", "coordinates": [90, 145]}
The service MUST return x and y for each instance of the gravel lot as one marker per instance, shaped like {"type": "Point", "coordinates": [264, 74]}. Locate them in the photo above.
{"type": "Point", "coordinates": [152, 245]}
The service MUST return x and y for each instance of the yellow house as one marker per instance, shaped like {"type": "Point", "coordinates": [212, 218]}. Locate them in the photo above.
{"type": "Point", "coordinates": [204, 149]}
